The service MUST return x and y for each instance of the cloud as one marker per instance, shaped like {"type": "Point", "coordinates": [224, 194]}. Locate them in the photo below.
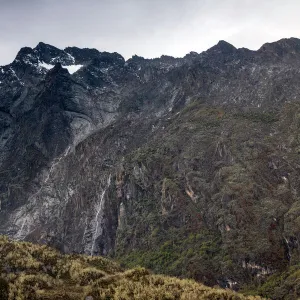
{"type": "Point", "coordinates": [144, 27]}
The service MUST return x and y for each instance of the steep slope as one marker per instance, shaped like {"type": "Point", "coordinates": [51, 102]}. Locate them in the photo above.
{"type": "Point", "coordinates": [37, 272]}
{"type": "Point", "coordinates": [217, 199]}
{"type": "Point", "coordinates": [187, 166]}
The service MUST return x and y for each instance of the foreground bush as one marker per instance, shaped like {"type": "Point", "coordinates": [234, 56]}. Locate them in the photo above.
{"type": "Point", "coordinates": [33, 272]}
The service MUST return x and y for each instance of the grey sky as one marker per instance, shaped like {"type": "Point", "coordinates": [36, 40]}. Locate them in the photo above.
{"type": "Point", "coordinates": [148, 28]}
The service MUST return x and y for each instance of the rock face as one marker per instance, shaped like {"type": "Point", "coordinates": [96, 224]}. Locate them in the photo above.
{"type": "Point", "coordinates": [188, 166]}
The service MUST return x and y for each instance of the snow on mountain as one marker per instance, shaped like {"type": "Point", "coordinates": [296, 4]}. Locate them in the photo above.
{"type": "Point", "coordinates": [72, 68]}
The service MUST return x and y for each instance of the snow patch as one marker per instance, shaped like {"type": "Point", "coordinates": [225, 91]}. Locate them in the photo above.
{"type": "Point", "coordinates": [72, 68]}
{"type": "Point", "coordinates": [46, 66]}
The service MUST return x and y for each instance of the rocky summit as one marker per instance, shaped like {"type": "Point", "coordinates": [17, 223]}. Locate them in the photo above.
{"type": "Point", "coordinates": [187, 166]}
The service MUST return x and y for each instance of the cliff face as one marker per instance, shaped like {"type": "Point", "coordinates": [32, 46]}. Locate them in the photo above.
{"type": "Point", "coordinates": [188, 166]}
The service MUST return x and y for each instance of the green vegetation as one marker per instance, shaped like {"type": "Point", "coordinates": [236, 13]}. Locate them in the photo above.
{"type": "Point", "coordinates": [212, 189]}
{"type": "Point", "coordinates": [197, 256]}
{"type": "Point", "coordinates": [265, 117]}
{"type": "Point", "coordinates": [32, 272]}
{"type": "Point", "coordinates": [280, 286]}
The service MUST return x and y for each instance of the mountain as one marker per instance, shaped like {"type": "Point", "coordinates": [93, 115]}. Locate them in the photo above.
{"type": "Point", "coordinates": [187, 166]}
{"type": "Point", "coordinates": [38, 272]}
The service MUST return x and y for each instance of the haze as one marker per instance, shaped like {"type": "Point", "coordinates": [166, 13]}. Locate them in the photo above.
{"type": "Point", "coordinates": [144, 27]}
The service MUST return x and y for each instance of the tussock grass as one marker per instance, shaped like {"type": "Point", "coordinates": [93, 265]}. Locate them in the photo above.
{"type": "Point", "coordinates": [35, 272]}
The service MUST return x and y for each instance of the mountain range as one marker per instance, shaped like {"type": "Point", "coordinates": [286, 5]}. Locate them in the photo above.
{"type": "Point", "coordinates": [187, 166]}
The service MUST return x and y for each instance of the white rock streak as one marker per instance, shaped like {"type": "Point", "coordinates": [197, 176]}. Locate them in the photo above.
{"type": "Point", "coordinates": [25, 221]}
{"type": "Point", "coordinates": [21, 234]}
{"type": "Point", "coordinates": [97, 230]}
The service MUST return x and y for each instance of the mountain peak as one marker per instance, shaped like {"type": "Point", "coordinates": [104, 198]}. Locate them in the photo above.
{"type": "Point", "coordinates": [223, 47]}
{"type": "Point", "coordinates": [223, 43]}
{"type": "Point", "coordinates": [41, 46]}
{"type": "Point", "coordinates": [82, 55]}
{"type": "Point", "coordinates": [23, 52]}
{"type": "Point", "coordinates": [282, 47]}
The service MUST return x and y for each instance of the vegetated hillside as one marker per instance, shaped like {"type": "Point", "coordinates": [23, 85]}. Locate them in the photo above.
{"type": "Point", "coordinates": [186, 166]}
{"type": "Point", "coordinates": [214, 194]}
{"type": "Point", "coordinates": [31, 272]}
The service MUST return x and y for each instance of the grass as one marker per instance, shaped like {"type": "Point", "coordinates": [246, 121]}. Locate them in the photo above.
{"type": "Point", "coordinates": [30, 271]}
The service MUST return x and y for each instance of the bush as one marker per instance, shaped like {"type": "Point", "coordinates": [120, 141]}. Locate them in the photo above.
{"type": "Point", "coordinates": [77, 277]}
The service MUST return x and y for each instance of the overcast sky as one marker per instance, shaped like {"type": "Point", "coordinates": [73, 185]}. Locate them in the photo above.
{"type": "Point", "coordinates": [148, 28]}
